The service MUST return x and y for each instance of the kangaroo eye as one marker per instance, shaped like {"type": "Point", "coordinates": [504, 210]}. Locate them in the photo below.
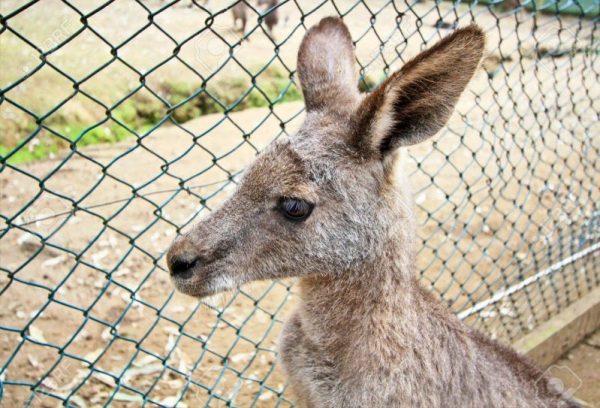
{"type": "Point", "coordinates": [295, 209]}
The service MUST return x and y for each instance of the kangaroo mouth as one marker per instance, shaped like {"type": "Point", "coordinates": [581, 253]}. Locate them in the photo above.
{"type": "Point", "coordinates": [202, 280]}
{"type": "Point", "coordinates": [192, 285]}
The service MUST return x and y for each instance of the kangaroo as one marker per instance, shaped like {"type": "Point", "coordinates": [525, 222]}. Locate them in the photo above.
{"type": "Point", "coordinates": [272, 18]}
{"type": "Point", "coordinates": [331, 206]}
{"type": "Point", "coordinates": [240, 12]}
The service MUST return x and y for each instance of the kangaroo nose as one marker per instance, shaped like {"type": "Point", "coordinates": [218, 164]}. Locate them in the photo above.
{"type": "Point", "coordinates": [182, 267]}
{"type": "Point", "coordinates": [182, 258]}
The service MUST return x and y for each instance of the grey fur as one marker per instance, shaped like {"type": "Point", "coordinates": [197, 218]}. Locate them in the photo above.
{"type": "Point", "coordinates": [365, 334]}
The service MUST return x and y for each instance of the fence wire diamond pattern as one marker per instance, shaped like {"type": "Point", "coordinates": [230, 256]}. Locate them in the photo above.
{"type": "Point", "coordinates": [122, 122]}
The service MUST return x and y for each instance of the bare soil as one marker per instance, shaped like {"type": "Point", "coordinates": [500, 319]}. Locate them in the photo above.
{"type": "Point", "coordinates": [578, 371]}
{"type": "Point", "coordinates": [505, 191]}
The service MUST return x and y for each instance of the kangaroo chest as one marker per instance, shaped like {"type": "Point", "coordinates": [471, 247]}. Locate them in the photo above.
{"type": "Point", "coordinates": [431, 372]}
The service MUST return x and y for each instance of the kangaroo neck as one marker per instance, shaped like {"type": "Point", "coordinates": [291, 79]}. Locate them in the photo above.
{"type": "Point", "coordinates": [383, 284]}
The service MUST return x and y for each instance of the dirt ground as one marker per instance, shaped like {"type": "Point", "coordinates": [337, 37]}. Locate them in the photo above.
{"type": "Point", "coordinates": [578, 371]}
{"type": "Point", "coordinates": [505, 191]}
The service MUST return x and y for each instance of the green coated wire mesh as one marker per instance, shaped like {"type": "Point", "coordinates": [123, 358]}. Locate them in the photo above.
{"type": "Point", "coordinates": [122, 122]}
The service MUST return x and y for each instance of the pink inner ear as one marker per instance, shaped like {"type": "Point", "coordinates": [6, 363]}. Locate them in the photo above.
{"type": "Point", "coordinates": [415, 102]}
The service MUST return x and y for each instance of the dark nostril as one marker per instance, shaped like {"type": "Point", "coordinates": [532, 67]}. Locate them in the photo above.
{"type": "Point", "coordinates": [182, 268]}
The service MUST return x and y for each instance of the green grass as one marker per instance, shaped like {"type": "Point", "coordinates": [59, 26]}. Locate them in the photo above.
{"type": "Point", "coordinates": [26, 154]}
{"type": "Point", "coordinates": [142, 111]}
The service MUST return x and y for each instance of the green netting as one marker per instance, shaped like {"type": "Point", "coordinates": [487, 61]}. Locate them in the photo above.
{"type": "Point", "coordinates": [122, 122]}
{"type": "Point", "coordinates": [589, 8]}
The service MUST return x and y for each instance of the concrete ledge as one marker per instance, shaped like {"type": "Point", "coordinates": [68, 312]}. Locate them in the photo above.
{"type": "Point", "coordinates": [558, 335]}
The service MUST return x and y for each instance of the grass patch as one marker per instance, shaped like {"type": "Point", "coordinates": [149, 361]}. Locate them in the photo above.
{"type": "Point", "coordinates": [235, 94]}
{"type": "Point", "coordinates": [140, 112]}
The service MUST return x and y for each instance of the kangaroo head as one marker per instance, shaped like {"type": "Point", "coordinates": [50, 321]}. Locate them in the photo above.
{"type": "Point", "coordinates": [326, 199]}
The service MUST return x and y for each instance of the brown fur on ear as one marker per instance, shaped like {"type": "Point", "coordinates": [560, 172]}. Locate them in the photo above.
{"type": "Point", "coordinates": [415, 102]}
{"type": "Point", "coordinates": [327, 67]}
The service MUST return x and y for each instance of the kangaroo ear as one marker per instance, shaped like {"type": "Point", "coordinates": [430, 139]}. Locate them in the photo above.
{"type": "Point", "coordinates": [327, 68]}
{"type": "Point", "coordinates": [415, 102]}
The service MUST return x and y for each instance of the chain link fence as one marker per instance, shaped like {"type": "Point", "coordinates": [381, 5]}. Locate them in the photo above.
{"type": "Point", "coordinates": [122, 122]}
